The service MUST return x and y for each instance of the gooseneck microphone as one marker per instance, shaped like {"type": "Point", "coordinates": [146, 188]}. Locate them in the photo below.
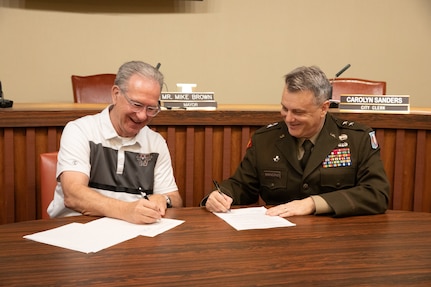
{"type": "Point", "coordinates": [342, 71]}
{"type": "Point", "coordinates": [3, 102]}
{"type": "Point", "coordinates": [333, 103]}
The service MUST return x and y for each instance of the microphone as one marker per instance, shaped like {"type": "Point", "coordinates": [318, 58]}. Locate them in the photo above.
{"type": "Point", "coordinates": [333, 103]}
{"type": "Point", "coordinates": [3, 102]}
{"type": "Point", "coordinates": [342, 71]}
{"type": "Point", "coordinates": [158, 66]}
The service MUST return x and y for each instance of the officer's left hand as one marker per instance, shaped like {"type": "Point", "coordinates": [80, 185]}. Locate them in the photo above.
{"type": "Point", "coordinates": [296, 207]}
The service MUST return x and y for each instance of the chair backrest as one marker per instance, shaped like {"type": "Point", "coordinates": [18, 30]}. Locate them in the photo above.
{"type": "Point", "coordinates": [93, 88]}
{"type": "Point", "coordinates": [48, 181]}
{"type": "Point", "coordinates": [356, 86]}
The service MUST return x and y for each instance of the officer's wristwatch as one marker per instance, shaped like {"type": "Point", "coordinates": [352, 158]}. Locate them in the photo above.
{"type": "Point", "coordinates": [168, 201]}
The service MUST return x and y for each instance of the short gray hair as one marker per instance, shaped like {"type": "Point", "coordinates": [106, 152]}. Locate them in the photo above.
{"type": "Point", "coordinates": [131, 68]}
{"type": "Point", "coordinates": [309, 79]}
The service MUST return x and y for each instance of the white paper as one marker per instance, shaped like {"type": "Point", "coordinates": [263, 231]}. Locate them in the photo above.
{"type": "Point", "coordinates": [100, 234]}
{"type": "Point", "coordinates": [252, 218]}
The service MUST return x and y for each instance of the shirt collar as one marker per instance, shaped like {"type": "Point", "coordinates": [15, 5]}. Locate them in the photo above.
{"type": "Point", "coordinates": [110, 133]}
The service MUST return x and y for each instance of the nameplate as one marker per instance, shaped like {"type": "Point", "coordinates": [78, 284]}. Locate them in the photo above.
{"type": "Point", "coordinates": [194, 96]}
{"type": "Point", "coordinates": [189, 105]}
{"type": "Point", "coordinates": [374, 103]}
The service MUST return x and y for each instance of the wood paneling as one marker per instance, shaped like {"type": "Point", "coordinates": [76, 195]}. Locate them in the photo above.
{"type": "Point", "coordinates": [204, 146]}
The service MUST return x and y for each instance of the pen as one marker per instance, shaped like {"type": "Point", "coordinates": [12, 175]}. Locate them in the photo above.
{"type": "Point", "coordinates": [217, 186]}
{"type": "Point", "coordinates": [144, 195]}
{"type": "Point", "coordinates": [219, 190]}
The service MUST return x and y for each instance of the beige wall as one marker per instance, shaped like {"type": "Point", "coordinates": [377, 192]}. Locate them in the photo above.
{"type": "Point", "coordinates": [240, 49]}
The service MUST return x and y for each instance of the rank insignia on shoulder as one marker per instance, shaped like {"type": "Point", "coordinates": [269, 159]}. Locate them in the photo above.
{"type": "Point", "coordinates": [271, 125]}
{"type": "Point", "coordinates": [347, 123]}
{"type": "Point", "coordinates": [374, 143]}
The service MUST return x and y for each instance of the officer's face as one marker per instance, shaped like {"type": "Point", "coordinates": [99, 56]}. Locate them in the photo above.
{"type": "Point", "coordinates": [301, 114]}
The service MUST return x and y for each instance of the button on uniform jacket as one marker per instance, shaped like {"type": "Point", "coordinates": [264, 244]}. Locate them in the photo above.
{"type": "Point", "coordinates": [345, 169]}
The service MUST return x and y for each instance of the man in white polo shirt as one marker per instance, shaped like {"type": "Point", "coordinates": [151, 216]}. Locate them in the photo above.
{"type": "Point", "coordinates": [111, 164]}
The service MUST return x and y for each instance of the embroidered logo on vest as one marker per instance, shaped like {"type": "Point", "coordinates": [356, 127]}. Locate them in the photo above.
{"type": "Point", "coordinates": [144, 159]}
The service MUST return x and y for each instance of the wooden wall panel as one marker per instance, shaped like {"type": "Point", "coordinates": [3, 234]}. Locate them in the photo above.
{"type": "Point", "coordinates": [8, 179]}
{"type": "Point", "coordinates": [203, 146]}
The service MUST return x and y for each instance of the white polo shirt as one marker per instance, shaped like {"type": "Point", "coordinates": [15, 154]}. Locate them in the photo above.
{"type": "Point", "coordinates": [117, 167]}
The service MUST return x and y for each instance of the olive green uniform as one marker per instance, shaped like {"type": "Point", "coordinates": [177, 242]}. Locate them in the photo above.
{"type": "Point", "coordinates": [345, 169]}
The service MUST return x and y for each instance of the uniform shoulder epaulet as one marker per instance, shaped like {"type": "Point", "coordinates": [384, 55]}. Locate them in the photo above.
{"type": "Point", "coordinates": [345, 124]}
{"type": "Point", "coordinates": [269, 127]}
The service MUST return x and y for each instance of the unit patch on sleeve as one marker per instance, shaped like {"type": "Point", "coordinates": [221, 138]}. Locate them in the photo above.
{"type": "Point", "coordinates": [374, 143]}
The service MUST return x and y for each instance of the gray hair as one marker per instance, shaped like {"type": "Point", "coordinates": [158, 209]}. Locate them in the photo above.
{"type": "Point", "coordinates": [309, 79]}
{"type": "Point", "coordinates": [131, 68]}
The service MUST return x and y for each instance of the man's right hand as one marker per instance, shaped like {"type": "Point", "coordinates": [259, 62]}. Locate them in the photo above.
{"type": "Point", "coordinates": [218, 202]}
{"type": "Point", "coordinates": [143, 211]}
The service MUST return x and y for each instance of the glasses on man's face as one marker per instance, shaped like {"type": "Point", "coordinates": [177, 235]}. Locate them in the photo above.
{"type": "Point", "coordinates": [137, 107]}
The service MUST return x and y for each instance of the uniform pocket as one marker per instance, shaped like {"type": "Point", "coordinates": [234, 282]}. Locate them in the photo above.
{"type": "Point", "coordinates": [337, 178]}
{"type": "Point", "coordinates": [274, 179]}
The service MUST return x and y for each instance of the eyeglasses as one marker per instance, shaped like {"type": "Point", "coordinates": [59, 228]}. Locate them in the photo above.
{"type": "Point", "coordinates": [137, 107]}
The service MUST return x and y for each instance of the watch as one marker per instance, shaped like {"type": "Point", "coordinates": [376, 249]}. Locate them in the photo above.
{"type": "Point", "coordinates": [168, 201]}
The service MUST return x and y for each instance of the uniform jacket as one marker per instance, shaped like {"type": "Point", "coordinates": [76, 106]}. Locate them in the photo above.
{"type": "Point", "coordinates": [345, 169]}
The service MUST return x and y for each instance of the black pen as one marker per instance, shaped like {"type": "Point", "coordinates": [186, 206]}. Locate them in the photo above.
{"type": "Point", "coordinates": [219, 190]}
{"type": "Point", "coordinates": [144, 195]}
{"type": "Point", "coordinates": [217, 186]}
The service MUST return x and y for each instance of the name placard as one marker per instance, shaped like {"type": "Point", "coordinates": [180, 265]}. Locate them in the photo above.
{"type": "Point", "coordinates": [192, 96]}
{"type": "Point", "coordinates": [375, 103]}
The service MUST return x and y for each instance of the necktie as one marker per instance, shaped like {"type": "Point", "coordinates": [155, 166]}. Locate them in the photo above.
{"type": "Point", "coordinates": [307, 145]}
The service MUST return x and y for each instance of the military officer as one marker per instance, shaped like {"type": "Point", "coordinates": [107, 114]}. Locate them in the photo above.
{"type": "Point", "coordinates": [309, 163]}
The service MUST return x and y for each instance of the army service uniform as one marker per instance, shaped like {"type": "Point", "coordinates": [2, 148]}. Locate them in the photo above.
{"type": "Point", "coordinates": [345, 169]}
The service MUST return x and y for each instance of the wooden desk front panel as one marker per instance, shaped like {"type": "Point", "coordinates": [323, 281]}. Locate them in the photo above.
{"type": "Point", "coordinates": [203, 146]}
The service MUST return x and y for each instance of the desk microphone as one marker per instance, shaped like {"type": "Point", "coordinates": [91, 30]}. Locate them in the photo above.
{"type": "Point", "coordinates": [334, 104]}
{"type": "Point", "coordinates": [3, 102]}
{"type": "Point", "coordinates": [342, 71]}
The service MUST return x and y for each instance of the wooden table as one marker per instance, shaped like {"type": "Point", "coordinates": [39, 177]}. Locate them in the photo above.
{"type": "Point", "coordinates": [392, 249]}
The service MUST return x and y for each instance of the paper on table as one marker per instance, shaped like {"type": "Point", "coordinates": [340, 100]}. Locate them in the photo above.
{"type": "Point", "coordinates": [252, 218]}
{"type": "Point", "coordinates": [99, 234]}
{"type": "Point", "coordinates": [149, 230]}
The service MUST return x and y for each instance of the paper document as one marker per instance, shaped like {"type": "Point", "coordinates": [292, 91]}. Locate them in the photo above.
{"type": "Point", "coordinates": [252, 218]}
{"type": "Point", "coordinates": [100, 234]}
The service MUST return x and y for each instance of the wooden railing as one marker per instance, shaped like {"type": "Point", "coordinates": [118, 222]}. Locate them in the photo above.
{"type": "Point", "coordinates": [203, 145]}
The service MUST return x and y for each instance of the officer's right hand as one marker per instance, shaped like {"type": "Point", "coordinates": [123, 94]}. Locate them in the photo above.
{"type": "Point", "coordinates": [218, 202]}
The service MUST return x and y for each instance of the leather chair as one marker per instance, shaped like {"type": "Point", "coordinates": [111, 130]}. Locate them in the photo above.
{"type": "Point", "coordinates": [48, 181]}
{"type": "Point", "coordinates": [356, 86]}
{"type": "Point", "coordinates": [93, 88]}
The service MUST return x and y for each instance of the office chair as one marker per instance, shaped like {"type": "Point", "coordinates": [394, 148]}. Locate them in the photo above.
{"type": "Point", "coordinates": [48, 181]}
{"type": "Point", "coordinates": [356, 86]}
{"type": "Point", "coordinates": [93, 88]}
